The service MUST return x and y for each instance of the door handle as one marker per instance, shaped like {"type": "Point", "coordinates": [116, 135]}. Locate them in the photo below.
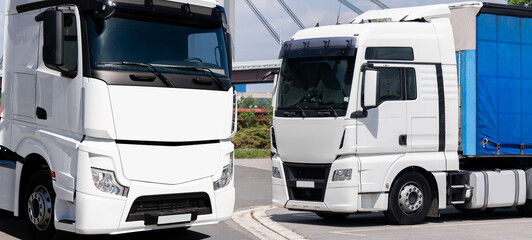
{"type": "Point", "coordinates": [402, 140]}
{"type": "Point", "coordinates": [41, 113]}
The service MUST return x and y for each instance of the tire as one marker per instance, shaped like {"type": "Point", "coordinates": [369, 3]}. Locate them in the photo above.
{"type": "Point", "coordinates": [526, 210]}
{"type": "Point", "coordinates": [332, 216]}
{"type": "Point", "coordinates": [38, 207]}
{"type": "Point", "coordinates": [409, 199]}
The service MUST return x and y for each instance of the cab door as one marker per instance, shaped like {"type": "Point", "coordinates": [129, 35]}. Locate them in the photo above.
{"type": "Point", "coordinates": [382, 133]}
{"type": "Point", "coordinates": [383, 129]}
{"type": "Point", "coordinates": [58, 93]}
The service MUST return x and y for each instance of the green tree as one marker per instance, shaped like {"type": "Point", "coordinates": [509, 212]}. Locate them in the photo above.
{"type": "Point", "coordinates": [249, 102]}
{"type": "Point", "coordinates": [520, 2]}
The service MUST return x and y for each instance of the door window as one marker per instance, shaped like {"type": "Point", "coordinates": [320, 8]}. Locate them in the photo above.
{"type": "Point", "coordinates": [71, 43]}
{"type": "Point", "coordinates": [396, 84]}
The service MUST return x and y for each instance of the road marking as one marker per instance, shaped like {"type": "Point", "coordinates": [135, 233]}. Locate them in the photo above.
{"type": "Point", "coordinates": [356, 232]}
{"type": "Point", "coordinates": [259, 224]}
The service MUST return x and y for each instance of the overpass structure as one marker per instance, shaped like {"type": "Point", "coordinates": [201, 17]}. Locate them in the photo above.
{"type": "Point", "coordinates": [247, 76]}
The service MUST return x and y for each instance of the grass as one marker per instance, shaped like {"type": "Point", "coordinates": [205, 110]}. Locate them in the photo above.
{"type": "Point", "coordinates": [252, 153]}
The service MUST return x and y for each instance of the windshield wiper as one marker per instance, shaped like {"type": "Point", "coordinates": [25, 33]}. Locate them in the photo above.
{"type": "Point", "coordinates": [335, 114]}
{"type": "Point", "coordinates": [148, 66]}
{"type": "Point", "coordinates": [201, 69]}
{"type": "Point", "coordinates": [302, 111]}
{"type": "Point", "coordinates": [303, 114]}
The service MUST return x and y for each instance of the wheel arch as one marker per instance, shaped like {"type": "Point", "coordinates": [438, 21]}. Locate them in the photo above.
{"type": "Point", "coordinates": [31, 163]}
{"type": "Point", "coordinates": [433, 186]}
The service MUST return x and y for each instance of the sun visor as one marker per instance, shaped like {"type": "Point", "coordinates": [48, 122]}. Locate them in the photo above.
{"type": "Point", "coordinates": [330, 47]}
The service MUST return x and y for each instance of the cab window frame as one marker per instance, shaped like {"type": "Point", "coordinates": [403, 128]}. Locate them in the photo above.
{"type": "Point", "coordinates": [407, 81]}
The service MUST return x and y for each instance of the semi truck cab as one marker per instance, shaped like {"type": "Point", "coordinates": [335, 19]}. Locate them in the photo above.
{"type": "Point", "coordinates": [116, 115]}
{"type": "Point", "coordinates": [367, 117]}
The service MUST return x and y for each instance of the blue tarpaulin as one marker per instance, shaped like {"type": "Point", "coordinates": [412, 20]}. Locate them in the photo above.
{"type": "Point", "coordinates": [503, 87]}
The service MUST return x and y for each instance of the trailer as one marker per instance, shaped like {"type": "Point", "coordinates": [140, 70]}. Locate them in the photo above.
{"type": "Point", "coordinates": [406, 111]}
{"type": "Point", "coordinates": [104, 128]}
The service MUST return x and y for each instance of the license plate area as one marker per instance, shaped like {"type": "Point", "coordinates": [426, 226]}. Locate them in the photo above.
{"type": "Point", "coordinates": [305, 184]}
{"type": "Point", "coordinates": [170, 219]}
{"type": "Point", "coordinates": [174, 219]}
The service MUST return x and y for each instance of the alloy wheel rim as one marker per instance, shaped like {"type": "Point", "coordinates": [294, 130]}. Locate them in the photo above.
{"type": "Point", "coordinates": [40, 208]}
{"type": "Point", "coordinates": [410, 198]}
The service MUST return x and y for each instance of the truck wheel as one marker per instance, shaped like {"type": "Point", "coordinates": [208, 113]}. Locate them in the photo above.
{"type": "Point", "coordinates": [409, 199]}
{"type": "Point", "coordinates": [39, 207]}
{"type": "Point", "coordinates": [332, 216]}
{"type": "Point", "coordinates": [526, 210]}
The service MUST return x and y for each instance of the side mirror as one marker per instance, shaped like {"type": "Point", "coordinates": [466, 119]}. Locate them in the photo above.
{"type": "Point", "coordinates": [371, 87]}
{"type": "Point", "coordinates": [53, 23]}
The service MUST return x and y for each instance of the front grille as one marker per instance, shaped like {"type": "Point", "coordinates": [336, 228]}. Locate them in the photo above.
{"type": "Point", "coordinates": [148, 208]}
{"type": "Point", "coordinates": [317, 173]}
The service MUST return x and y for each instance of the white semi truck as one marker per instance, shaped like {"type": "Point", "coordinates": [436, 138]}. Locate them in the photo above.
{"type": "Point", "coordinates": [116, 115]}
{"type": "Point", "coordinates": [406, 111]}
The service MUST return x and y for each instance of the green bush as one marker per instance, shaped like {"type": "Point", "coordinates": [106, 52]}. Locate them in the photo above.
{"type": "Point", "coordinates": [254, 137]}
{"type": "Point", "coordinates": [252, 153]}
{"type": "Point", "coordinates": [247, 119]}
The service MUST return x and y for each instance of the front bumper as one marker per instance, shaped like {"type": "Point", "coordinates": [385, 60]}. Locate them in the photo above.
{"type": "Point", "coordinates": [339, 196]}
{"type": "Point", "coordinates": [107, 215]}
{"type": "Point", "coordinates": [97, 212]}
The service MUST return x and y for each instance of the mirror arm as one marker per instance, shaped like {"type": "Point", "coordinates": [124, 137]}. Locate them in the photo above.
{"type": "Point", "coordinates": [360, 114]}
{"type": "Point", "coordinates": [367, 66]}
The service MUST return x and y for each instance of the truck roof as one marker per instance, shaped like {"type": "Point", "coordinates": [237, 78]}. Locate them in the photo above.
{"type": "Point", "coordinates": [12, 4]}
{"type": "Point", "coordinates": [461, 14]}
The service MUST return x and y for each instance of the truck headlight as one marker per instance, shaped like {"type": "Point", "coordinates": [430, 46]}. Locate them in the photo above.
{"type": "Point", "coordinates": [342, 175]}
{"type": "Point", "coordinates": [105, 181]}
{"type": "Point", "coordinates": [227, 174]}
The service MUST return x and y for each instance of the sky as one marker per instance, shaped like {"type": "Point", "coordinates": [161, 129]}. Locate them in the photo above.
{"type": "Point", "coordinates": [252, 41]}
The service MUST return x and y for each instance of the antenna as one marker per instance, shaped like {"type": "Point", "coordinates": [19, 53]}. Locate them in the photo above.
{"type": "Point", "coordinates": [338, 16]}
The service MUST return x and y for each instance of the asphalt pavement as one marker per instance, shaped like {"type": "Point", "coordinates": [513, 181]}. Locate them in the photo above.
{"type": "Point", "coordinates": [452, 224]}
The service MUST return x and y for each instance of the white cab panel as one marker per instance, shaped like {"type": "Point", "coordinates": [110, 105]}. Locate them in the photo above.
{"type": "Point", "coordinates": [175, 114]}
{"type": "Point", "coordinates": [308, 140]}
{"type": "Point", "coordinates": [98, 117]}
{"type": "Point", "coordinates": [380, 131]}
{"type": "Point", "coordinates": [169, 165]}
{"type": "Point", "coordinates": [422, 113]}
{"type": "Point", "coordinates": [24, 96]}
{"type": "Point", "coordinates": [19, 93]}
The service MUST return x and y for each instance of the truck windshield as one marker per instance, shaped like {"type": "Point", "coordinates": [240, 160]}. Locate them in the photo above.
{"type": "Point", "coordinates": [316, 82]}
{"type": "Point", "coordinates": [168, 46]}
